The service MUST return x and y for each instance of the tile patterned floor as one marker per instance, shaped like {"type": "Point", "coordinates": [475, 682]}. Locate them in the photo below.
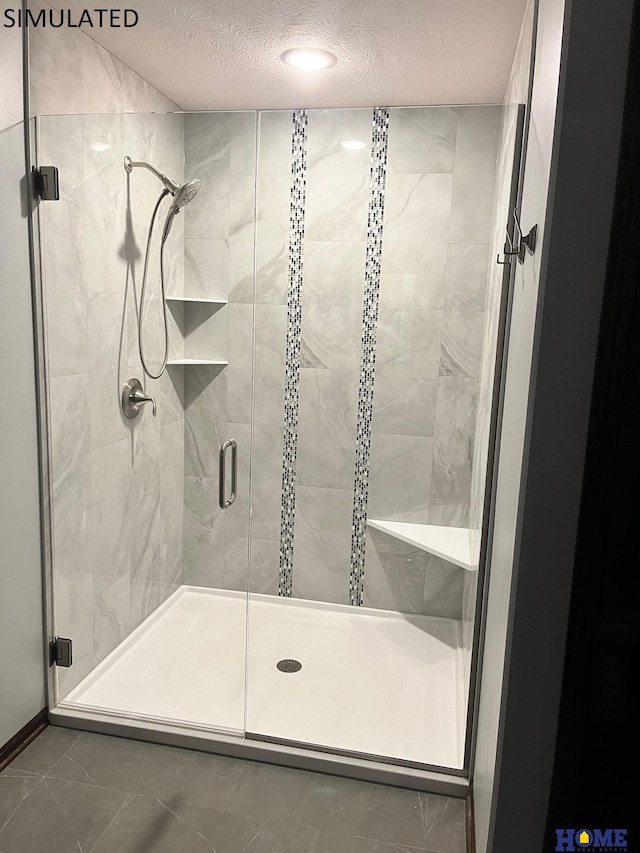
{"type": "Point", "coordinates": [71, 792]}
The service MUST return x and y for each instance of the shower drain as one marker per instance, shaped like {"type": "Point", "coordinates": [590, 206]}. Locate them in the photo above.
{"type": "Point", "coordinates": [289, 665]}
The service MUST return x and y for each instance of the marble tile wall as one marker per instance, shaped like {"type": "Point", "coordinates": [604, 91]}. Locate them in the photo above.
{"type": "Point", "coordinates": [72, 74]}
{"type": "Point", "coordinates": [435, 253]}
{"type": "Point", "coordinates": [440, 184]}
{"type": "Point", "coordinates": [117, 485]}
{"type": "Point", "coordinates": [272, 255]}
{"type": "Point", "coordinates": [435, 250]}
{"type": "Point", "coordinates": [219, 259]}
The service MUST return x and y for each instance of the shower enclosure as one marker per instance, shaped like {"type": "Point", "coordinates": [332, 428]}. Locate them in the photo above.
{"type": "Point", "coordinates": [290, 552]}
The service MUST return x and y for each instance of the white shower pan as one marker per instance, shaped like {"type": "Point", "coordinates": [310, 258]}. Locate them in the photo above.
{"type": "Point", "coordinates": [372, 682]}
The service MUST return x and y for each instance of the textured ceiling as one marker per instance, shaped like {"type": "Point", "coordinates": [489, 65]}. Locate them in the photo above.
{"type": "Point", "coordinates": [210, 54]}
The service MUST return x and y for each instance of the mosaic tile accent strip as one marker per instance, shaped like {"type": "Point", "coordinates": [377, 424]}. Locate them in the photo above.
{"type": "Point", "coordinates": [292, 363]}
{"type": "Point", "coordinates": [368, 358]}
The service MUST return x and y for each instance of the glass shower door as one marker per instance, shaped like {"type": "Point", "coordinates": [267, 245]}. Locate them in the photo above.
{"type": "Point", "coordinates": [150, 545]}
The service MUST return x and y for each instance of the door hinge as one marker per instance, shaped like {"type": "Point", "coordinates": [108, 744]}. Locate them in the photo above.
{"type": "Point", "coordinates": [45, 183]}
{"type": "Point", "coordinates": [60, 652]}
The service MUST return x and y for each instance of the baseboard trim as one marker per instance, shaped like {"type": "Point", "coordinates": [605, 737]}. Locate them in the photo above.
{"type": "Point", "coordinates": [14, 746]}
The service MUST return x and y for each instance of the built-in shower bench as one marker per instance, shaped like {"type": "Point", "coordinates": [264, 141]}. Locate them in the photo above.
{"type": "Point", "coordinates": [450, 543]}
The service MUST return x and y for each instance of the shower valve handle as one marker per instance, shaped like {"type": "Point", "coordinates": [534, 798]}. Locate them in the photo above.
{"type": "Point", "coordinates": [133, 398]}
{"type": "Point", "coordinates": [139, 399]}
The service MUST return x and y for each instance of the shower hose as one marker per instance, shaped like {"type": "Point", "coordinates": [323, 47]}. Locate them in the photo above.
{"type": "Point", "coordinates": [162, 293]}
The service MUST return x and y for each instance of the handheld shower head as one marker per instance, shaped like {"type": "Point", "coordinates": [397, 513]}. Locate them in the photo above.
{"type": "Point", "coordinates": [183, 196]}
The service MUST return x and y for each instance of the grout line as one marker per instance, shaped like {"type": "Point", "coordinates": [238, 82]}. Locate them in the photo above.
{"type": "Point", "coordinates": [44, 775]}
{"type": "Point", "coordinates": [26, 796]}
{"type": "Point", "coordinates": [126, 802]}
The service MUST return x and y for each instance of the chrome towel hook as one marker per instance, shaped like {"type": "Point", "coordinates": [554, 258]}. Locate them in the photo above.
{"type": "Point", "coordinates": [522, 242]}
{"type": "Point", "coordinates": [527, 241]}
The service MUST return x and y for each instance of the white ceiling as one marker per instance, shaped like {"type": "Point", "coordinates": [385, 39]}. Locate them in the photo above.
{"type": "Point", "coordinates": [225, 54]}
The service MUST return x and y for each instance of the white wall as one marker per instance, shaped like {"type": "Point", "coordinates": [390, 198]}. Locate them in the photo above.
{"type": "Point", "coordinates": [568, 190]}
{"type": "Point", "coordinates": [22, 676]}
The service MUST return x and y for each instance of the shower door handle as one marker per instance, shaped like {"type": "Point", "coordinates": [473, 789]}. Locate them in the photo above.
{"type": "Point", "coordinates": [225, 502]}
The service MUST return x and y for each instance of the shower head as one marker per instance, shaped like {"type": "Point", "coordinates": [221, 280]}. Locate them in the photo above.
{"type": "Point", "coordinates": [183, 196]}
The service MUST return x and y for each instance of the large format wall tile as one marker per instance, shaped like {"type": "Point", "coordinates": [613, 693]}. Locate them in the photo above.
{"type": "Point", "coordinates": [443, 588]}
{"type": "Point", "coordinates": [266, 505]}
{"type": "Point", "coordinates": [337, 179]}
{"type": "Point", "coordinates": [270, 347]}
{"type": "Point", "coordinates": [205, 398]}
{"type": "Point", "coordinates": [404, 404]}
{"type": "Point", "coordinates": [326, 428]}
{"type": "Point", "coordinates": [236, 563]}
{"type": "Point", "coordinates": [113, 505]}
{"type": "Point", "coordinates": [207, 155]}
{"type": "Point", "coordinates": [417, 202]}
{"type": "Point", "coordinates": [322, 544]}
{"type": "Point", "coordinates": [464, 318]}
{"type": "Point", "coordinates": [56, 81]}
{"type": "Point", "coordinates": [111, 615]}
{"type": "Point", "coordinates": [332, 298]}
{"type": "Point", "coordinates": [448, 513]}
{"type": "Point", "coordinates": [395, 581]}
{"type": "Point", "coordinates": [264, 566]}
{"type": "Point", "coordinates": [71, 74]}
{"type": "Point", "coordinates": [272, 236]}
{"type": "Point", "coordinates": [422, 139]}
{"type": "Point", "coordinates": [172, 453]}
{"type": "Point", "coordinates": [415, 236]}
{"type": "Point", "coordinates": [274, 152]}
{"type": "Point", "coordinates": [474, 174]}
{"type": "Point", "coordinates": [206, 268]}
{"type": "Point", "coordinates": [70, 454]}
{"type": "Point", "coordinates": [242, 214]}
{"type": "Point", "coordinates": [400, 477]}
{"type": "Point", "coordinates": [145, 482]}
{"type": "Point", "coordinates": [240, 369]}
{"type": "Point", "coordinates": [453, 438]}
{"type": "Point", "coordinates": [407, 360]}
{"type": "Point", "coordinates": [266, 496]}
{"type": "Point", "coordinates": [203, 526]}
{"type": "Point", "coordinates": [105, 197]}
{"type": "Point", "coordinates": [108, 368]}
{"type": "Point", "coordinates": [101, 74]}
{"type": "Point", "coordinates": [63, 248]}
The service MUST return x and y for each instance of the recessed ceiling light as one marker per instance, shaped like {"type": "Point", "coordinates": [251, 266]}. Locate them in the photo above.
{"type": "Point", "coordinates": [99, 146]}
{"type": "Point", "coordinates": [308, 58]}
{"type": "Point", "coordinates": [352, 144]}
